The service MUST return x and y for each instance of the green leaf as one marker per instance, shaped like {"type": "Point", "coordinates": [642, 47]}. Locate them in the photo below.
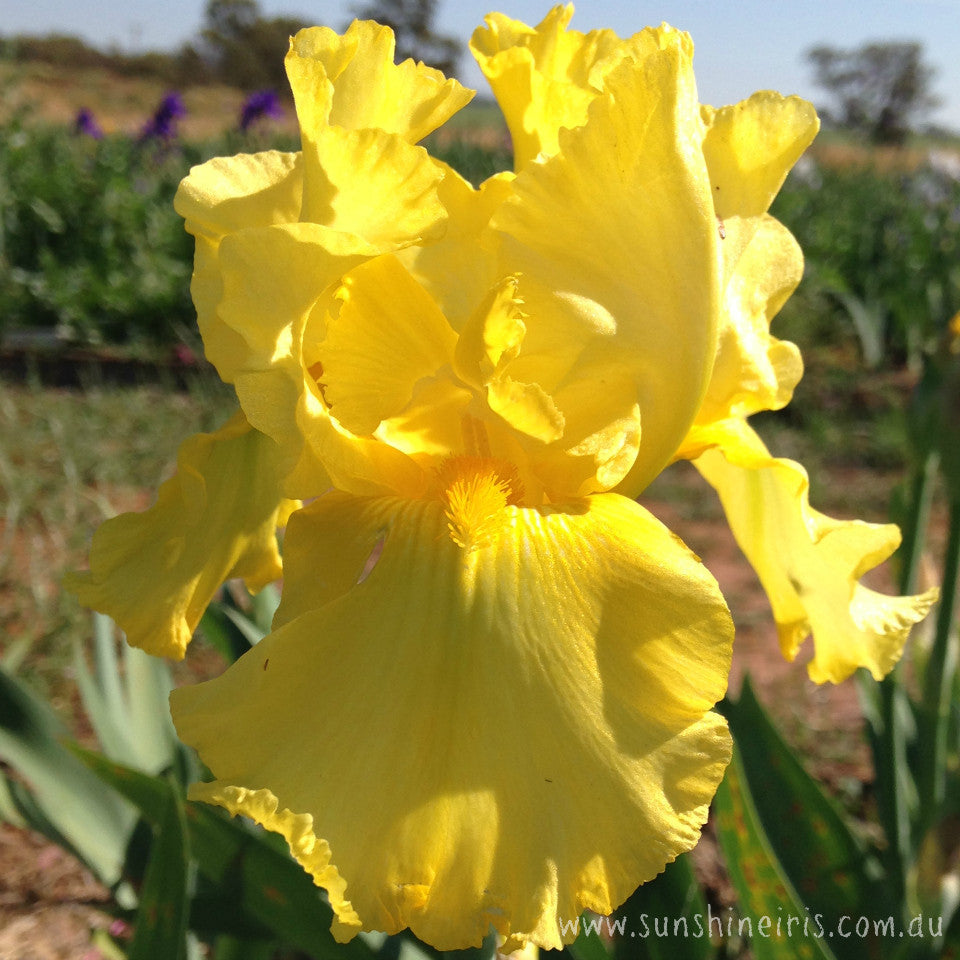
{"type": "Point", "coordinates": [767, 898]}
{"type": "Point", "coordinates": [891, 728]}
{"type": "Point", "coordinates": [147, 793]}
{"type": "Point", "coordinates": [831, 869]}
{"type": "Point", "coordinates": [161, 923]}
{"type": "Point", "coordinates": [249, 630]}
{"type": "Point", "coordinates": [589, 945]}
{"type": "Point", "coordinates": [148, 683]}
{"type": "Point", "coordinates": [267, 884]}
{"type": "Point", "coordinates": [127, 702]}
{"type": "Point", "coordinates": [250, 876]}
{"type": "Point", "coordinates": [263, 606]}
{"type": "Point", "coordinates": [233, 948]}
{"type": "Point", "coordinates": [86, 816]}
{"type": "Point", "coordinates": [951, 939]}
{"type": "Point", "coordinates": [220, 631]}
{"type": "Point", "coordinates": [406, 946]}
{"type": "Point", "coordinates": [9, 808]}
{"type": "Point", "coordinates": [666, 916]}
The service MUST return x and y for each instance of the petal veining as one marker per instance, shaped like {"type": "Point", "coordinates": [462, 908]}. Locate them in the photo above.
{"type": "Point", "coordinates": [502, 741]}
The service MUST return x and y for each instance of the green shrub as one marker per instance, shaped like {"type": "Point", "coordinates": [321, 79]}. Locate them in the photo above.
{"type": "Point", "coordinates": [882, 252]}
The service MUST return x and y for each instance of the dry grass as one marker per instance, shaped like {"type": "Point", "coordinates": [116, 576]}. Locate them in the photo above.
{"type": "Point", "coordinates": [120, 104]}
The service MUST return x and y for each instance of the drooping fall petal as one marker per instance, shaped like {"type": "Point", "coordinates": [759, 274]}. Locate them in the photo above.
{"type": "Point", "coordinates": [810, 564]}
{"type": "Point", "coordinates": [587, 626]}
{"type": "Point", "coordinates": [155, 572]}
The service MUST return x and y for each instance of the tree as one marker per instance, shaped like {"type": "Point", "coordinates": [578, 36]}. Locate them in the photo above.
{"type": "Point", "coordinates": [412, 22]}
{"type": "Point", "coordinates": [247, 50]}
{"type": "Point", "coordinates": [879, 89]}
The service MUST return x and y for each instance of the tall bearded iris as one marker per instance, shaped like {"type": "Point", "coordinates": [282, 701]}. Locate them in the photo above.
{"type": "Point", "coordinates": [486, 699]}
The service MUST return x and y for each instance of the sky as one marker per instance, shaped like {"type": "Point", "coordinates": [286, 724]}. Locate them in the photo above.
{"type": "Point", "coordinates": [739, 47]}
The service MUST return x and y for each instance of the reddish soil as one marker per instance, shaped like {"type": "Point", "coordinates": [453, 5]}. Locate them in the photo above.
{"type": "Point", "coordinates": [47, 901]}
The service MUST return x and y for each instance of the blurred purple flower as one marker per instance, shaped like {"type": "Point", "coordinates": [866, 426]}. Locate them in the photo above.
{"type": "Point", "coordinates": [163, 124]}
{"type": "Point", "coordinates": [85, 124]}
{"type": "Point", "coordinates": [258, 106]}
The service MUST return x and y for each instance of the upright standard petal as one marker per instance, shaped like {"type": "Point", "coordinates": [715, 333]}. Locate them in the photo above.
{"type": "Point", "coordinates": [280, 386]}
{"type": "Point", "coordinates": [345, 169]}
{"type": "Point", "coordinates": [615, 242]}
{"type": "Point", "coordinates": [386, 336]}
{"type": "Point", "coordinates": [753, 370]}
{"type": "Point", "coordinates": [461, 266]}
{"type": "Point", "coordinates": [216, 518]}
{"type": "Point", "coordinates": [749, 149]}
{"type": "Point", "coordinates": [222, 196]}
{"type": "Point", "coordinates": [505, 732]}
{"type": "Point", "coordinates": [544, 78]}
{"type": "Point", "coordinates": [810, 564]}
{"type": "Point", "coordinates": [351, 81]}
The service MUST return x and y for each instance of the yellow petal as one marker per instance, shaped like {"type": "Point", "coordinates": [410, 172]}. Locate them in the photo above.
{"type": "Point", "coordinates": [458, 269]}
{"type": "Point", "coordinates": [543, 77]}
{"type": "Point", "coordinates": [753, 370]}
{"type": "Point", "coordinates": [490, 340]}
{"type": "Point", "coordinates": [216, 518]}
{"type": "Point", "coordinates": [810, 564]}
{"type": "Point", "coordinates": [279, 286]}
{"type": "Point", "coordinates": [750, 147]}
{"type": "Point", "coordinates": [387, 335]}
{"type": "Point", "coordinates": [527, 407]}
{"type": "Point", "coordinates": [505, 735]}
{"type": "Point", "coordinates": [249, 190]}
{"type": "Point", "coordinates": [492, 337]}
{"type": "Point", "coordinates": [615, 241]}
{"type": "Point", "coordinates": [217, 198]}
{"type": "Point", "coordinates": [352, 81]}
{"type": "Point", "coordinates": [372, 184]}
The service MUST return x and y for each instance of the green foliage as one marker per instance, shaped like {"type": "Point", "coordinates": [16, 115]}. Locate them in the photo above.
{"type": "Point", "coordinates": [89, 244]}
{"type": "Point", "coordinates": [771, 810]}
{"type": "Point", "coordinates": [769, 900]}
{"type": "Point", "coordinates": [91, 249]}
{"type": "Point", "coordinates": [882, 253]}
{"type": "Point", "coordinates": [64, 801]}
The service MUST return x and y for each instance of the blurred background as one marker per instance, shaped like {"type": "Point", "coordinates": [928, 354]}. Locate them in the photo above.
{"type": "Point", "coordinates": [105, 105]}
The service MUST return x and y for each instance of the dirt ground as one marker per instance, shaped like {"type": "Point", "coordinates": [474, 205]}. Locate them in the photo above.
{"type": "Point", "coordinates": [48, 902]}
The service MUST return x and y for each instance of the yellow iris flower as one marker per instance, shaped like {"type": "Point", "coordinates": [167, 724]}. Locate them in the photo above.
{"type": "Point", "coordinates": [487, 698]}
